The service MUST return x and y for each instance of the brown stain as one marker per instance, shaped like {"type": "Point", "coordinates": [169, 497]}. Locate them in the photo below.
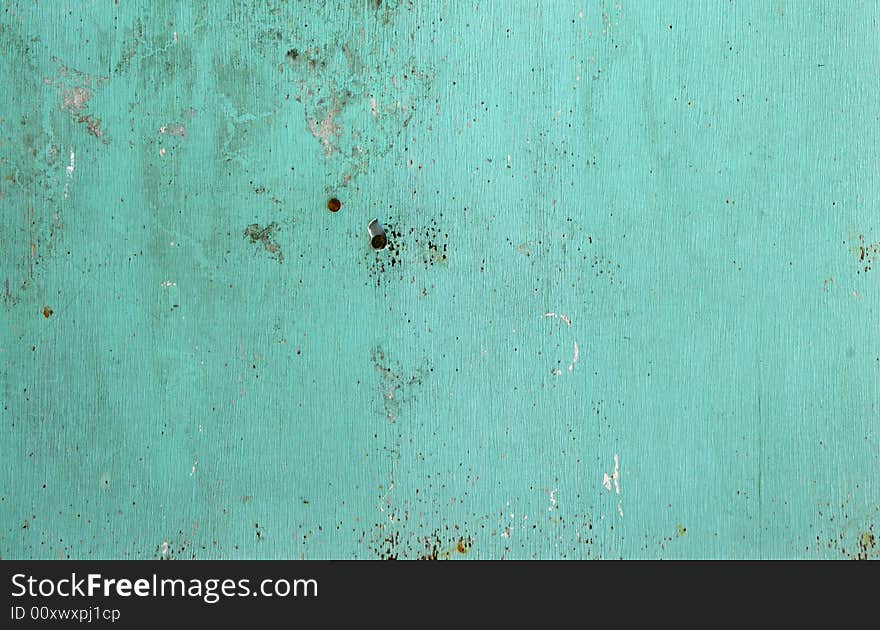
{"type": "Point", "coordinates": [868, 253]}
{"type": "Point", "coordinates": [333, 205]}
{"type": "Point", "coordinates": [438, 552]}
{"type": "Point", "coordinates": [435, 546]}
{"type": "Point", "coordinates": [867, 545]}
{"type": "Point", "coordinates": [47, 312]}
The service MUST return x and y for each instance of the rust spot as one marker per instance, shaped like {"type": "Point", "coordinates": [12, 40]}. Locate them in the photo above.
{"type": "Point", "coordinates": [47, 312]}
{"type": "Point", "coordinates": [333, 205]}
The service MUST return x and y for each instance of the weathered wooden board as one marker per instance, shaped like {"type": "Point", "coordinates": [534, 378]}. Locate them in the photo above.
{"type": "Point", "coordinates": [629, 306]}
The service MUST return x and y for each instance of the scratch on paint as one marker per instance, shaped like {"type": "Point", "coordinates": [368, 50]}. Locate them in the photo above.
{"type": "Point", "coordinates": [577, 351]}
{"type": "Point", "coordinates": [386, 498]}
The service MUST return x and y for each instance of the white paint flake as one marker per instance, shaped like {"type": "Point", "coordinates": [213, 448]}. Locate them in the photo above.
{"type": "Point", "coordinates": [69, 168]}
{"type": "Point", "coordinates": [614, 478]}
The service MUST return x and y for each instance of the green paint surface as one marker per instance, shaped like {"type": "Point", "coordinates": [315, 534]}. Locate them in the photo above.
{"type": "Point", "coordinates": [629, 307]}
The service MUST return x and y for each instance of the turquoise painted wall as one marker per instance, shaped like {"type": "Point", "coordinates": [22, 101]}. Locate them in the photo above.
{"type": "Point", "coordinates": [629, 307]}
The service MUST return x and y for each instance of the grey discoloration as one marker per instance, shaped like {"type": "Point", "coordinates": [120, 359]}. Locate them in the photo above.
{"type": "Point", "coordinates": [394, 385]}
{"type": "Point", "coordinates": [264, 235]}
{"type": "Point", "coordinates": [174, 129]}
{"type": "Point", "coordinates": [92, 124]}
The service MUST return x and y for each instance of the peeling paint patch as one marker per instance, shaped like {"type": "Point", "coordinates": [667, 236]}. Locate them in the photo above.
{"type": "Point", "coordinates": [75, 99]}
{"type": "Point", "coordinates": [76, 90]}
{"type": "Point", "coordinates": [325, 130]}
{"type": "Point", "coordinates": [332, 87]}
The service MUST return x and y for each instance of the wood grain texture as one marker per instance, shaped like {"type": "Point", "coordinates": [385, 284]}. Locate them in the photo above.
{"type": "Point", "coordinates": [628, 307]}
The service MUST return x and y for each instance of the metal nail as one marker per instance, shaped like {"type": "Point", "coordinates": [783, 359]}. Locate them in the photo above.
{"type": "Point", "coordinates": [378, 240]}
